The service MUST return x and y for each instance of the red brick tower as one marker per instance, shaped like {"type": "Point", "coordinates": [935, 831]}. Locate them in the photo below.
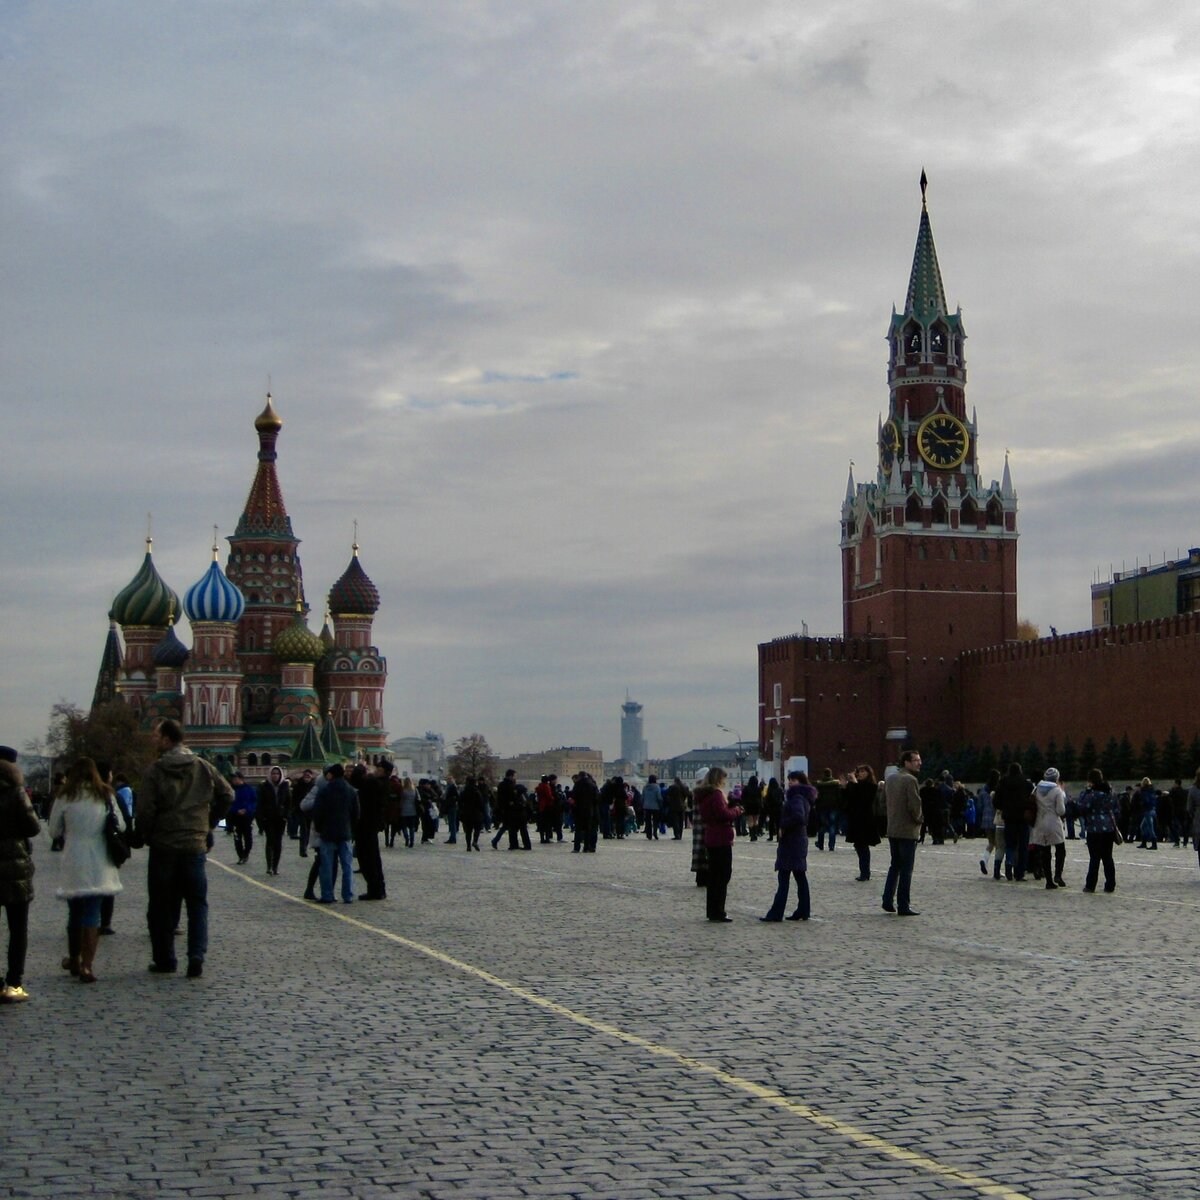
{"type": "Point", "coordinates": [264, 566]}
{"type": "Point", "coordinates": [929, 551]}
{"type": "Point", "coordinates": [353, 672]}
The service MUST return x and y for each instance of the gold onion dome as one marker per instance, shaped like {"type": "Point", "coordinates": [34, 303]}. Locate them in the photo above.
{"type": "Point", "coordinates": [268, 418]}
{"type": "Point", "coordinates": [145, 599]}
{"type": "Point", "coordinates": [297, 643]}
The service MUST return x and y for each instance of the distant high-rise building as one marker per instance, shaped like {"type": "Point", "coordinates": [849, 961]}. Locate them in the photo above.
{"type": "Point", "coordinates": [633, 742]}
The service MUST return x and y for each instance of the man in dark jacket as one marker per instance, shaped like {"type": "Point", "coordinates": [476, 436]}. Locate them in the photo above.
{"type": "Point", "coordinates": [585, 798]}
{"type": "Point", "coordinates": [513, 810]}
{"type": "Point", "coordinates": [271, 814]}
{"type": "Point", "coordinates": [18, 823]}
{"type": "Point", "coordinates": [335, 814]}
{"type": "Point", "coordinates": [1013, 798]}
{"type": "Point", "coordinates": [372, 802]}
{"type": "Point", "coordinates": [181, 800]}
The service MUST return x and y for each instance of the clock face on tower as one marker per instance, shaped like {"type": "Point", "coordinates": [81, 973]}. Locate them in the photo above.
{"type": "Point", "coordinates": [943, 441]}
{"type": "Point", "coordinates": [889, 443]}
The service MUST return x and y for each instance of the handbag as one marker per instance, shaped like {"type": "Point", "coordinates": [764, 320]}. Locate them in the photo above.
{"type": "Point", "coordinates": [115, 839]}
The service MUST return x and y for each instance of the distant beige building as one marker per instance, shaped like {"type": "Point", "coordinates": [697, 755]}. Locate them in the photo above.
{"type": "Point", "coordinates": [564, 762]}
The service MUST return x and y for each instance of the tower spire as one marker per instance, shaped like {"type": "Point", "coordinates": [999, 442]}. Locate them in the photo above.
{"type": "Point", "coordinates": [926, 297]}
{"type": "Point", "coordinates": [265, 513]}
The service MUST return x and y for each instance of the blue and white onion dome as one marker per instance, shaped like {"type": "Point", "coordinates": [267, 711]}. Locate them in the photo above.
{"type": "Point", "coordinates": [212, 597]}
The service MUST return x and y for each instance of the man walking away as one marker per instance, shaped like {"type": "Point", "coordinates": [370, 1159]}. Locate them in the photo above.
{"type": "Point", "coordinates": [335, 814]}
{"type": "Point", "coordinates": [585, 797]}
{"type": "Point", "coordinates": [181, 800]}
{"type": "Point", "coordinates": [652, 803]}
{"type": "Point", "coordinates": [372, 801]}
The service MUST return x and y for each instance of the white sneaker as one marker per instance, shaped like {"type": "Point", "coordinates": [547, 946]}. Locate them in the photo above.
{"type": "Point", "coordinates": [13, 995]}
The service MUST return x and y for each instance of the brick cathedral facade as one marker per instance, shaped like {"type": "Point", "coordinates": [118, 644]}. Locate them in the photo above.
{"type": "Point", "coordinates": [257, 687]}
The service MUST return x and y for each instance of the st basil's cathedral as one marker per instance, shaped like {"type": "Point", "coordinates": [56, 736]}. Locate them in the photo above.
{"type": "Point", "coordinates": [258, 687]}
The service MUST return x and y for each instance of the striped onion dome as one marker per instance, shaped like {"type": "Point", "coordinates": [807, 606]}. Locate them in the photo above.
{"type": "Point", "coordinates": [354, 594]}
{"type": "Point", "coordinates": [297, 643]}
{"type": "Point", "coordinates": [145, 599]}
{"type": "Point", "coordinates": [212, 597]}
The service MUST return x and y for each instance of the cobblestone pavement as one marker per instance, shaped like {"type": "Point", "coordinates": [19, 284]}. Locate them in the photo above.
{"type": "Point", "coordinates": [587, 1034]}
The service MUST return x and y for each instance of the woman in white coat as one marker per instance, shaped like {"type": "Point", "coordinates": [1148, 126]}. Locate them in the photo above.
{"type": "Point", "coordinates": [78, 816]}
{"type": "Point", "coordinates": [1048, 827]}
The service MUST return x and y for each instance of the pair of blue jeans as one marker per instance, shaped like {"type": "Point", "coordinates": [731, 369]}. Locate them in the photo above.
{"type": "Point", "coordinates": [344, 854]}
{"type": "Point", "coordinates": [830, 825]}
{"type": "Point", "coordinates": [83, 912]}
{"type": "Point", "coordinates": [899, 876]}
{"type": "Point", "coordinates": [803, 905]}
{"type": "Point", "coordinates": [175, 877]}
{"type": "Point", "coordinates": [1016, 848]}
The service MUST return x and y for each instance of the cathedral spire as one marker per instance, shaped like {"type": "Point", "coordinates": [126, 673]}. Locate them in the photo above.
{"type": "Point", "coordinates": [265, 513]}
{"type": "Point", "coordinates": [926, 297]}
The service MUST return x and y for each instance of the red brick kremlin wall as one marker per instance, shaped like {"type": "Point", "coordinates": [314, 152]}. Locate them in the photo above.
{"type": "Point", "coordinates": [1136, 680]}
{"type": "Point", "coordinates": [833, 696]}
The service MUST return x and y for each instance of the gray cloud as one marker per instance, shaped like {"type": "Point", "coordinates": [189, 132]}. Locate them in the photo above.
{"type": "Point", "coordinates": [579, 310]}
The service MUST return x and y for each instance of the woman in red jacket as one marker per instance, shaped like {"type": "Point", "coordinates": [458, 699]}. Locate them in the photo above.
{"type": "Point", "coordinates": [719, 820]}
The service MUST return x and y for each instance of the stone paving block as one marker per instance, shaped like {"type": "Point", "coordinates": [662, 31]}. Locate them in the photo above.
{"type": "Point", "coordinates": [930, 1036]}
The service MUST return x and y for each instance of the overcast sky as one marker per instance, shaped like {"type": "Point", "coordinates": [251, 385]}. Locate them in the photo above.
{"type": "Point", "coordinates": [579, 309]}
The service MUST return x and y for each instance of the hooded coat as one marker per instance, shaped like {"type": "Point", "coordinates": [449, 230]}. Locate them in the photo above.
{"type": "Point", "coordinates": [181, 799]}
{"type": "Point", "coordinates": [1048, 828]}
{"type": "Point", "coordinates": [792, 854]}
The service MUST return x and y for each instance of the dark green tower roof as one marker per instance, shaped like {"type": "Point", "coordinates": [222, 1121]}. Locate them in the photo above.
{"type": "Point", "coordinates": [926, 299]}
{"type": "Point", "coordinates": [308, 752]}
{"type": "Point", "coordinates": [331, 744]}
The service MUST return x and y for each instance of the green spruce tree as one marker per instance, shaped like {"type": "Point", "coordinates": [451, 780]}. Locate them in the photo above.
{"type": "Point", "coordinates": [1149, 760]}
{"type": "Point", "coordinates": [1126, 759]}
{"type": "Point", "coordinates": [1034, 762]}
{"type": "Point", "coordinates": [1173, 755]}
{"type": "Point", "coordinates": [1068, 760]}
{"type": "Point", "coordinates": [1110, 758]}
{"type": "Point", "coordinates": [1088, 757]}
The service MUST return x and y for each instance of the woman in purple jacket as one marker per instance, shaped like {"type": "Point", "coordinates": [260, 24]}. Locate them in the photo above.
{"type": "Point", "coordinates": [791, 859]}
{"type": "Point", "coordinates": [719, 819]}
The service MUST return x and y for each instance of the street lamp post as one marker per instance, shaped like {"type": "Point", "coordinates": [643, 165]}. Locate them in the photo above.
{"type": "Point", "coordinates": [738, 756]}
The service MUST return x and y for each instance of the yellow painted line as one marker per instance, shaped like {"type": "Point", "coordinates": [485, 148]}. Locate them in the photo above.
{"type": "Point", "coordinates": [768, 1095]}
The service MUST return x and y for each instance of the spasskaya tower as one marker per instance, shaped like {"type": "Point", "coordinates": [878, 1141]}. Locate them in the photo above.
{"type": "Point", "coordinates": [929, 563]}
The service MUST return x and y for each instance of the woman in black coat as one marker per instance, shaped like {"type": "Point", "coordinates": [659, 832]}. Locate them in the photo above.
{"type": "Point", "coordinates": [862, 830]}
{"type": "Point", "coordinates": [18, 823]}
{"type": "Point", "coordinates": [470, 812]}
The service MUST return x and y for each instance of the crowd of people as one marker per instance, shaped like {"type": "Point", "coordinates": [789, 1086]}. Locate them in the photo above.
{"type": "Point", "coordinates": [340, 815]}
